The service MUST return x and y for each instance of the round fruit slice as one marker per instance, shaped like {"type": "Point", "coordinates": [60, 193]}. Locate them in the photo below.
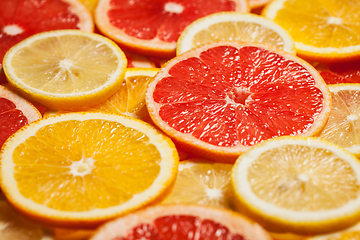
{"type": "Point", "coordinates": [21, 19]}
{"type": "Point", "coordinates": [129, 99]}
{"type": "Point", "coordinates": [65, 69]}
{"type": "Point", "coordinates": [352, 233]}
{"type": "Point", "coordinates": [14, 226]}
{"type": "Point", "coordinates": [79, 170]}
{"type": "Point", "coordinates": [15, 112]}
{"type": "Point", "coordinates": [202, 182]}
{"type": "Point", "coordinates": [234, 26]}
{"type": "Point", "coordinates": [300, 185]}
{"type": "Point", "coordinates": [347, 72]}
{"type": "Point", "coordinates": [181, 222]}
{"type": "Point", "coordinates": [322, 30]}
{"type": "Point", "coordinates": [220, 99]}
{"type": "Point", "coordinates": [152, 27]}
{"type": "Point", "coordinates": [343, 127]}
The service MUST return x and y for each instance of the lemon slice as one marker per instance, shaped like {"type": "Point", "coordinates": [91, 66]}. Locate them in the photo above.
{"type": "Point", "coordinates": [201, 182]}
{"type": "Point", "coordinates": [79, 170]}
{"type": "Point", "coordinates": [299, 185]}
{"type": "Point", "coordinates": [234, 26]}
{"type": "Point", "coordinates": [65, 69]}
{"type": "Point", "coordinates": [342, 128]}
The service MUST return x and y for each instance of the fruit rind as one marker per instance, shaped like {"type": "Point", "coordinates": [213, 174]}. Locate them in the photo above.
{"type": "Point", "coordinates": [276, 219]}
{"type": "Point", "coordinates": [90, 218]}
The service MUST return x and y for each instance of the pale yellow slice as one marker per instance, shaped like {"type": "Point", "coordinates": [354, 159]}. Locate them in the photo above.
{"type": "Point", "coordinates": [234, 26]}
{"type": "Point", "coordinates": [351, 233]}
{"type": "Point", "coordinates": [201, 182]}
{"type": "Point", "coordinates": [65, 69]}
{"type": "Point", "coordinates": [343, 126]}
{"type": "Point", "coordinates": [79, 170]}
{"type": "Point", "coordinates": [299, 185]}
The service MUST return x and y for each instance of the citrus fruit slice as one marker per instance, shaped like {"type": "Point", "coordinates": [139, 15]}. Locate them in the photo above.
{"type": "Point", "coordinates": [21, 19]}
{"type": "Point", "coordinates": [79, 170]}
{"type": "Point", "coordinates": [220, 99]}
{"type": "Point", "coordinates": [297, 184]}
{"type": "Point", "coordinates": [129, 99]}
{"type": "Point", "coordinates": [342, 128]}
{"type": "Point", "coordinates": [90, 4]}
{"type": "Point", "coordinates": [234, 26]}
{"type": "Point", "coordinates": [347, 72]}
{"type": "Point", "coordinates": [181, 222]}
{"type": "Point", "coordinates": [65, 69]}
{"type": "Point", "coordinates": [15, 226]}
{"type": "Point", "coordinates": [138, 61]}
{"type": "Point", "coordinates": [15, 112]}
{"type": "Point", "coordinates": [152, 27]}
{"type": "Point", "coordinates": [202, 182]}
{"type": "Point", "coordinates": [352, 233]}
{"type": "Point", "coordinates": [322, 30]}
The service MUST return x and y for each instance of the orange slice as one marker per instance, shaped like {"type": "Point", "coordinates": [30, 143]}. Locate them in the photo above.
{"type": "Point", "coordinates": [220, 99]}
{"type": "Point", "coordinates": [322, 30]}
{"type": "Point", "coordinates": [79, 170]}
{"type": "Point", "coordinates": [186, 221]}
{"type": "Point", "coordinates": [129, 99]}
{"type": "Point", "coordinates": [21, 19]}
{"type": "Point", "coordinates": [301, 185]}
{"type": "Point", "coordinates": [342, 126]}
{"type": "Point", "coordinates": [152, 27]}
{"type": "Point", "coordinates": [202, 182]}
{"type": "Point", "coordinates": [234, 26]}
{"type": "Point", "coordinates": [15, 112]}
{"type": "Point", "coordinates": [65, 69]}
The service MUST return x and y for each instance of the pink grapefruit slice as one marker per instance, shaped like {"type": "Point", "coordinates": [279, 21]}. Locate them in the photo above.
{"type": "Point", "coordinates": [20, 19]}
{"type": "Point", "coordinates": [164, 222]}
{"type": "Point", "coordinates": [15, 112]}
{"type": "Point", "coordinates": [219, 100]}
{"type": "Point", "coordinates": [342, 72]}
{"type": "Point", "coordinates": [152, 27]}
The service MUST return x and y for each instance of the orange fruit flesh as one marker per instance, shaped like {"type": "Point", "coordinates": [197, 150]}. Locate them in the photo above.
{"type": "Point", "coordinates": [69, 172]}
{"type": "Point", "coordinates": [249, 96]}
{"type": "Point", "coordinates": [44, 15]}
{"type": "Point", "coordinates": [166, 25]}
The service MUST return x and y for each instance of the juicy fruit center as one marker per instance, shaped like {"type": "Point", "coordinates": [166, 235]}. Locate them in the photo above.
{"type": "Point", "coordinates": [172, 7]}
{"type": "Point", "coordinates": [181, 227]}
{"type": "Point", "coordinates": [291, 177]}
{"type": "Point", "coordinates": [13, 30]}
{"type": "Point", "coordinates": [335, 20]}
{"type": "Point", "coordinates": [238, 95]}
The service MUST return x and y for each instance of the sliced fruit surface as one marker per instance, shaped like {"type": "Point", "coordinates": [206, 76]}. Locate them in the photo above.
{"type": "Point", "coordinates": [220, 99]}
{"type": "Point", "coordinates": [351, 233]}
{"type": "Point", "coordinates": [258, 3]}
{"type": "Point", "coordinates": [181, 222]}
{"type": "Point", "coordinates": [303, 185]}
{"type": "Point", "coordinates": [152, 27]}
{"type": "Point", "coordinates": [202, 182]}
{"type": "Point", "coordinates": [322, 30]}
{"type": "Point", "coordinates": [15, 112]}
{"type": "Point", "coordinates": [234, 26]}
{"type": "Point", "coordinates": [65, 69]}
{"type": "Point", "coordinates": [78, 170]}
{"type": "Point", "coordinates": [15, 226]}
{"type": "Point", "coordinates": [129, 99]}
{"type": "Point", "coordinates": [346, 72]}
{"type": "Point", "coordinates": [20, 19]}
{"type": "Point", "coordinates": [342, 128]}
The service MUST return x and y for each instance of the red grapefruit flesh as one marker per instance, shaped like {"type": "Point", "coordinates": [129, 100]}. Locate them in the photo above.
{"type": "Point", "coordinates": [152, 27]}
{"type": "Point", "coordinates": [15, 112]}
{"type": "Point", "coordinates": [165, 222]}
{"type": "Point", "coordinates": [223, 98]}
{"type": "Point", "coordinates": [20, 19]}
{"type": "Point", "coordinates": [344, 72]}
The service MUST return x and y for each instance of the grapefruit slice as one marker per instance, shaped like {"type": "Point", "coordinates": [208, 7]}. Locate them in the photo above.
{"type": "Point", "coordinates": [347, 72]}
{"type": "Point", "coordinates": [181, 222]}
{"type": "Point", "coordinates": [20, 19]}
{"type": "Point", "coordinates": [220, 99]}
{"type": "Point", "coordinates": [15, 112]}
{"type": "Point", "coordinates": [152, 27]}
